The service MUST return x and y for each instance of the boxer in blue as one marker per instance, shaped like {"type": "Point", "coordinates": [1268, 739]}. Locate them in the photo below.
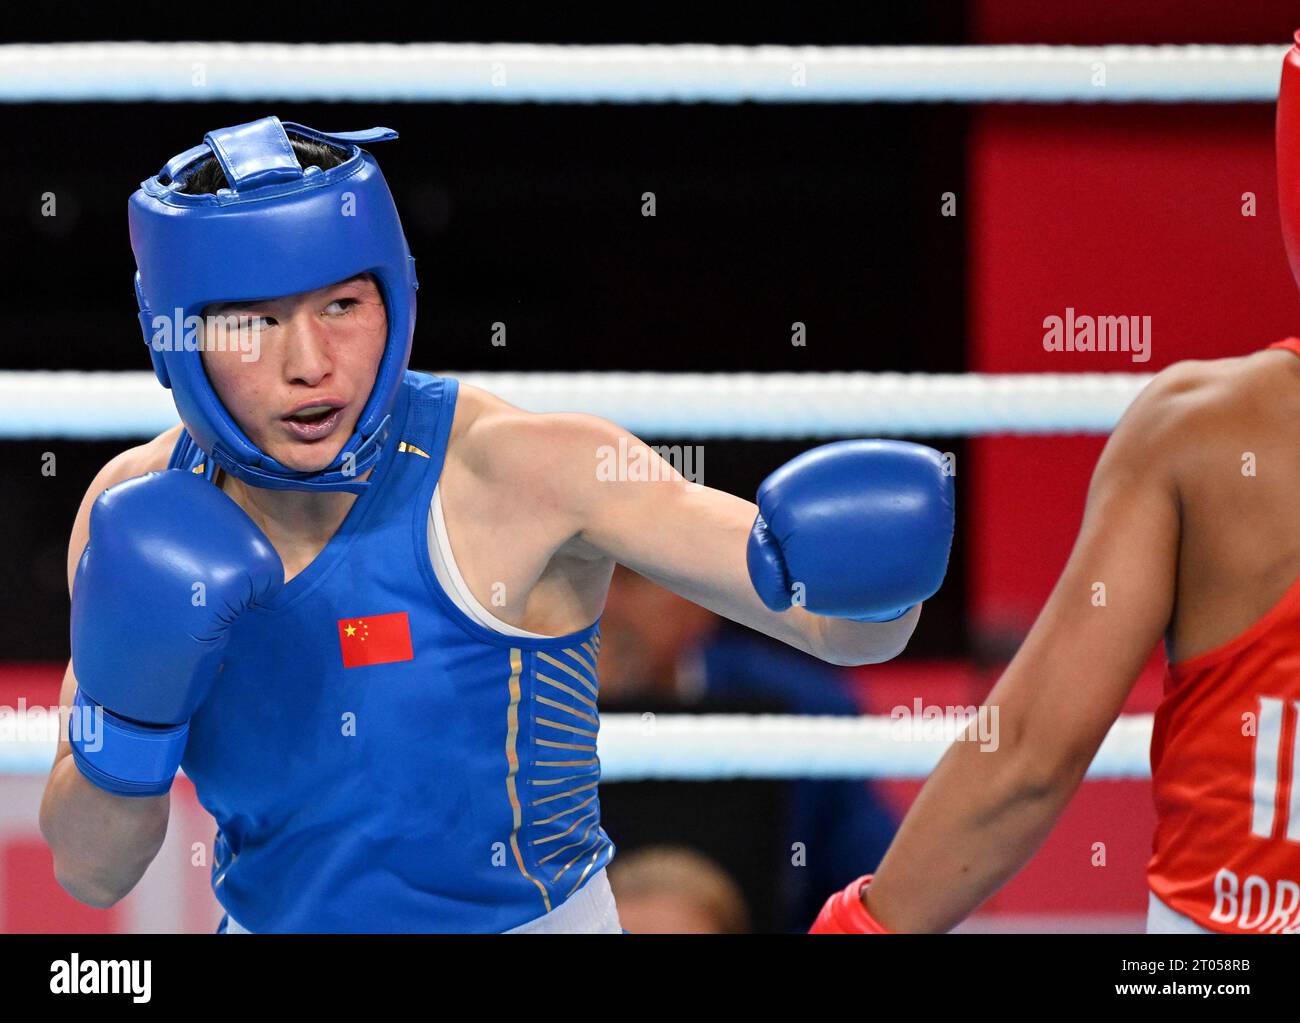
{"type": "Point", "coordinates": [288, 594]}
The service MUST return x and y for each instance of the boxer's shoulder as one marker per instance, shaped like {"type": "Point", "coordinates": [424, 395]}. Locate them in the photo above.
{"type": "Point", "coordinates": [1203, 394]}
{"type": "Point", "coordinates": [498, 441]}
{"type": "Point", "coordinates": [1195, 411]}
{"type": "Point", "coordinates": [1210, 382]}
{"type": "Point", "coordinates": [151, 456]}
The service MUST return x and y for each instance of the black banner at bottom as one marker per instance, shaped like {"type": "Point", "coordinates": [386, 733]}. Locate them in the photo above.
{"type": "Point", "coordinates": [914, 974]}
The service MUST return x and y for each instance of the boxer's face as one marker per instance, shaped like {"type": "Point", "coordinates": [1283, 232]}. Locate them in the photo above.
{"type": "Point", "coordinates": [298, 387]}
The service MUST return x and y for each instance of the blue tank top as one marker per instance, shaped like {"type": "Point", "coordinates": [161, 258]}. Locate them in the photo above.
{"type": "Point", "coordinates": [445, 781]}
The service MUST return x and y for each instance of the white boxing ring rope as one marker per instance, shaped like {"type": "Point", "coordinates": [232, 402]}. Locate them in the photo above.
{"type": "Point", "coordinates": [688, 73]}
{"type": "Point", "coordinates": [710, 747]}
{"type": "Point", "coordinates": [92, 405]}
{"type": "Point", "coordinates": [752, 406]}
{"type": "Point", "coordinates": [746, 405]}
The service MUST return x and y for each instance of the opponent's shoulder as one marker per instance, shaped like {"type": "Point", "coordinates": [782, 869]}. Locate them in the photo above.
{"type": "Point", "coordinates": [1201, 392]}
{"type": "Point", "coordinates": [1196, 390]}
{"type": "Point", "coordinates": [151, 456]}
{"type": "Point", "coordinates": [1198, 406]}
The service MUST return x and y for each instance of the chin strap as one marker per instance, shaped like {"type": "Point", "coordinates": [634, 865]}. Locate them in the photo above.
{"type": "Point", "coordinates": [366, 456]}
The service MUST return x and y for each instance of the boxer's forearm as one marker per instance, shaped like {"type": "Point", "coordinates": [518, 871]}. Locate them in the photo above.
{"type": "Point", "coordinates": [979, 818]}
{"type": "Point", "coordinates": [102, 843]}
{"type": "Point", "coordinates": [845, 642]}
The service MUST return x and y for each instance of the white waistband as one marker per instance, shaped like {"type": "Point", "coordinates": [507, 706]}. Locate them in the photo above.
{"type": "Point", "coordinates": [590, 911]}
{"type": "Point", "coordinates": [1163, 920]}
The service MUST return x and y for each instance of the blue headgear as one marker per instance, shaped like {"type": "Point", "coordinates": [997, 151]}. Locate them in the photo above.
{"type": "Point", "coordinates": [277, 230]}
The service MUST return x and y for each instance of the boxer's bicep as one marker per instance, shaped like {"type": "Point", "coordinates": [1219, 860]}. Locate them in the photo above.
{"type": "Point", "coordinates": [636, 507]}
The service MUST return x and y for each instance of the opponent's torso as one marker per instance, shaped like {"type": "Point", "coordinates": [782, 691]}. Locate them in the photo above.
{"type": "Point", "coordinates": [1226, 778]}
{"type": "Point", "coordinates": [378, 761]}
{"type": "Point", "coordinates": [1224, 752]}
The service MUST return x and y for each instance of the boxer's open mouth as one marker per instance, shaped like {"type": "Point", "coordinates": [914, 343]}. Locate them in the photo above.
{"type": "Point", "coordinates": [314, 422]}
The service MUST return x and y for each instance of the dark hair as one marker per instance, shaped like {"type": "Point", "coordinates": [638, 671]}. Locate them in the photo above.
{"type": "Point", "coordinates": [207, 176]}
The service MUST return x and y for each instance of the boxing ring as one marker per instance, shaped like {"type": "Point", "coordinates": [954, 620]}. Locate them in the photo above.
{"type": "Point", "coordinates": [129, 405]}
{"type": "Point", "coordinates": [813, 406]}
{"type": "Point", "coordinates": [751, 406]}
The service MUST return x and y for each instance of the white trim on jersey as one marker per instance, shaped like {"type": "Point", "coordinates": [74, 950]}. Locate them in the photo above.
{"type": "Point", "coordinates": [1163, 920]}
{"type": "Point", "coordinates": [453, 583]}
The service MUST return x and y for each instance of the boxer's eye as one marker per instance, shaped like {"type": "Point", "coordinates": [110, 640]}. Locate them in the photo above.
{"type": "Point", "coordinates": [239, 321]}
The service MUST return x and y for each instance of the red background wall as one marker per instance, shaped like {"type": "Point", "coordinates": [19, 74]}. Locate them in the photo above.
{"type": "Point", "coordinates": [1111, 210]}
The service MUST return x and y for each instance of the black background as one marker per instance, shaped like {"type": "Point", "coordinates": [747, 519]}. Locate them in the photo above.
{"type": "Point", "coordinates": [528, 214]}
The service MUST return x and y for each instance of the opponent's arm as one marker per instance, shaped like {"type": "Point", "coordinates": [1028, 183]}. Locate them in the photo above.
{"type": "Point", "coordinates": [983, 812]}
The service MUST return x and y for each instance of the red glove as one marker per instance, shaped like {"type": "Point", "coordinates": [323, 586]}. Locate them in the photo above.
{"type": "Point", "coordinates": [1288, 155]}
{"type": "Point", "coordinates": [844, 913]}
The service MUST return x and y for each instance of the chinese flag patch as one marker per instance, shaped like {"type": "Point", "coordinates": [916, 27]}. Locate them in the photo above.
{"type": "Point", "coordinates": [379, 639]}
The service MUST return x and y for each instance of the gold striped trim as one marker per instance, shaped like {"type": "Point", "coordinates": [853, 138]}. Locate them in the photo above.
{"type": "Point", "coordinates": [552, 744]}
{"type": "Point", "coordinates": [566, 832]}
{"type": "Point", "coordinates": [578, 883]}
{"type": "Point", "coordinates": [564, 813]}
{"type": "Point", "coordinates": [566, 728]}
{"type": "Point", "coordinates": [568, 669]}
{"type": "Point", "coordinates": [512, 762]}
{"type": "Point", "coordinates": [564, 689]}
{"type": "Point", "coordinates": [561, 795]}
{"type": "Point", "coordinates": [572, 845]}
{"type": "Point", "coordinates": [600, 844]}
{"type": "Point", "coordinates": [565, 763]}
{"type": "Point", "coordinates": [198, 469]}
{"type": "Point", "coordinates": [582, 660]}
{"type": "Point", "coordinates": [559, 781]}
{"type": "Point", "coordinates": [412, 449]}
{"type": "Point", "coordinates": [547, 701]}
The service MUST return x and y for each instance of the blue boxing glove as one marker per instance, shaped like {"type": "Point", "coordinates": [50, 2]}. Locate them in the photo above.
{"type": "Point", "coordinates": [147, 641]}
{"type": "Point", "coordinates": [856, 529]}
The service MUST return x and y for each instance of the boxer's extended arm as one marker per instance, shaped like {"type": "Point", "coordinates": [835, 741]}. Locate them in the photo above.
{"type": "Point", "coordinates": [982, 813]}
{"type": "Point", "coordinates": [689, 538]}
{"type": "Point", "coordinates": [102, 843]}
